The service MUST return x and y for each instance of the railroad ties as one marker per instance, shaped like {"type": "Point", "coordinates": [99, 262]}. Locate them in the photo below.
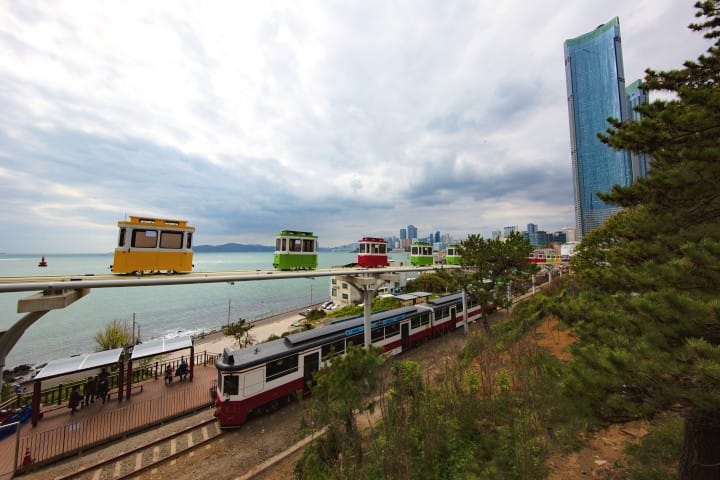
{"type": "Point", "coordinates": [152, 455]}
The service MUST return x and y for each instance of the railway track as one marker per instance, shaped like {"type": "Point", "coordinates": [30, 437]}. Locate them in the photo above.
{"type": "Point", "coordinates": [149, 456]}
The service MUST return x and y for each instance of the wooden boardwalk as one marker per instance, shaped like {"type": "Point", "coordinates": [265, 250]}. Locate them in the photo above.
{"type": "Point", "coordinates": [60, 433]}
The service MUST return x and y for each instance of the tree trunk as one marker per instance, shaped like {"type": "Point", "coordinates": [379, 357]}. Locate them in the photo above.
{"type": "Point", "coordinates": [486, 324]}
{"type": "Point", "coordinates": [700, 456]}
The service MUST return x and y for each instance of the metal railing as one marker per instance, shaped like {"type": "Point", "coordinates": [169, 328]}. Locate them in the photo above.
{"type": "Point", "coordinates": [52, 445]}
{"type": "Point", "coordinates": [59, 394]}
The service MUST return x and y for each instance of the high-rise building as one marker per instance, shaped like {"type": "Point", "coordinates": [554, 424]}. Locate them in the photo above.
{"type": "Point", "coordinates": [412, 232]}
{"type": "Point", "coordinates": [508, 230]}
{"type": "Point", "coordinates": [570, 234]}
{"type": "Point", "coordinates": [596, 91]}
{"type": "Point", "coordinates": [637, 95]}
{"type": "Point", "coordinates": [403, 234]}
{"type": "Point", "coordinates": [532, 228]}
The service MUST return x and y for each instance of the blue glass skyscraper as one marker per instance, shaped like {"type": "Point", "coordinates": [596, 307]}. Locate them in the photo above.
{"type": "Point", "coordinates": [637, 95]}
{"type": "Point", "coordinates": [412, 232]}
{"type": "Point", "coordinates": [596, 91]}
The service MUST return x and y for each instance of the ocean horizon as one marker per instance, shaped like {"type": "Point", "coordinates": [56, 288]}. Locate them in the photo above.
{"type": "Point", "coordinates": [158, 311]}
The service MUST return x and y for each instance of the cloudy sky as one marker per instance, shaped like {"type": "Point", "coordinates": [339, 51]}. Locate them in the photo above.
{"type": "Point", "coordinates": [347, 118]}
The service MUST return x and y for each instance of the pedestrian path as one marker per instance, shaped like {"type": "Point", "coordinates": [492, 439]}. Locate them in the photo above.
{"type": "Point", "coordinates": [61, 433]}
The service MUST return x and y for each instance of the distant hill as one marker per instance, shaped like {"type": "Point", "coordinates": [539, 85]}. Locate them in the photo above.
{"type": "Point", "coordinates": [234, 247]}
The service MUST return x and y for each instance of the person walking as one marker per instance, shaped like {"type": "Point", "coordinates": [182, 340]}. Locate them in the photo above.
{"type": "Point", "coordinates": [182, 370]}
{"type": "Point", "coordinates": [90, 390]}
{"type": "Point", "coordinates": [102, 385]}
{"type": "Point", "coordinates": [75, 398]}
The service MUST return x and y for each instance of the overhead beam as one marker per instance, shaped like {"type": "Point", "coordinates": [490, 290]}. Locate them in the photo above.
{"type": "Point", "coordinates": [11, 284]}
{"type": "Point", "coordinates": [42, 302]}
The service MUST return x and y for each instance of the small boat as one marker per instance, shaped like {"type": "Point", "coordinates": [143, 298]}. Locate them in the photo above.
{"type": "Point", "coordinates": [42, 262]}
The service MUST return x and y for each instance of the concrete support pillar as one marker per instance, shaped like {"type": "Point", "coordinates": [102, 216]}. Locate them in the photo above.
{"type": "Point", "coordinates": [367, 312]}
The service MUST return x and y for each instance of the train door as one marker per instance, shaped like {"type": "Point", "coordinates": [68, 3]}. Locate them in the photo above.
{"type": "Point", "coordinates": [453, 318]}
{"type": "Point", "coordinates": [312, 364]}
{"type": "Point", "coordinates": [405, 335]}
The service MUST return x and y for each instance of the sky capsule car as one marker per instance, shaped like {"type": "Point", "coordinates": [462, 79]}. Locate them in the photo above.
{"type": "Point", "coordinates": [372, 252]}
{"type": "Point", "coordinates": [153, 245]}
{"type": "Point", "coordinates": [452, 255]}
{"type": "Point", "coordinates": [421, 254]}
{"type": "Point", "coordinates": [295, 251]}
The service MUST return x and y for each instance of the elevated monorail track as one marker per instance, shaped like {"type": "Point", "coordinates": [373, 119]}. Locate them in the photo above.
{"type": "Point", "coordinates": [54, 283]}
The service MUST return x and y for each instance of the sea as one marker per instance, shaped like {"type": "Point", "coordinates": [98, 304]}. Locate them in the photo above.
{"type": "Point", "coordinates": [156, 311]}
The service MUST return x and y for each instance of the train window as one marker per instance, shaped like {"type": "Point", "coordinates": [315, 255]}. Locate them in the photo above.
{"type": "Point", "coordinates": [170, 239]}
{"type": "Point", "coordinates": [278, 243]}
{"type": "Point", "coordinates": [121, 241]}
{"type": "Point", "coordinates": [382, 249]}
{"type": "Point", "coordinates": [189, 240]}
{"type": "Point", "coordinates": [392, 330]}
{"type": "Point", "coordinates": [377, 334]}
{"type": "Point", "coordinates": [144, 239]}
{"type": "Point", "coordinates": [280, 367]}
{"type": "Point", "coordinates": [308, 245]}
{"type": "Point", "coordinates": [336, 348]}
{"type": "Point", "coordinates": [295, 245]}
{"type": "Point", "coordinates": [421, 320]}
{"type": "Point", "coordinates": [358, 339]}
{"type": "Point", "coordinates": [231, 385]}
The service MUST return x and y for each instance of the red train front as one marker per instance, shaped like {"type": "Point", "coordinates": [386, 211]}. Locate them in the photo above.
{"type": "Point", "coordinates": [372, 252]}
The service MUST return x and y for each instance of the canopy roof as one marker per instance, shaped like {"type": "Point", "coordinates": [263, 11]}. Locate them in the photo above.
{"type": "Point", "coordinates": [160, 345]}
{"type": "Point", "coordinates": [79, 363]}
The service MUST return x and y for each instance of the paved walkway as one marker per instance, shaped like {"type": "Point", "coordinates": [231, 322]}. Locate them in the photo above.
{"type": "Point", "coordinates": [60, 432]}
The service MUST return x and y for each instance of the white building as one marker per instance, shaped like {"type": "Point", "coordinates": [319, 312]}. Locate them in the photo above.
{"type": "Point", "coordinates": [343, 293]}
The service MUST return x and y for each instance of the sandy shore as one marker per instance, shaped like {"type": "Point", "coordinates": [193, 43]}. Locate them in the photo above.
{"type": "Point", "coordinates": [215, 342]}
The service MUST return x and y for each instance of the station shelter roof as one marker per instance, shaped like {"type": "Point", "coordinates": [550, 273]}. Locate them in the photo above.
{"type": "Point", "coordinates": [159, 346]}
{"type": "Point", "coordinates": [79, 363]}
{"type": "Point", "coordinates": [405, 297]}
{"type": "Point", "coordinates": [413, 298]}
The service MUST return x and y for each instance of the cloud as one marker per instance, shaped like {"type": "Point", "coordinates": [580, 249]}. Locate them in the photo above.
{"type": "Point", "coordinates": [347, 119]}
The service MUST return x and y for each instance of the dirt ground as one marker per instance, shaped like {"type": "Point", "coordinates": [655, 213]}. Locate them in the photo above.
{"type": "Point", "coordinates": [602, 457]}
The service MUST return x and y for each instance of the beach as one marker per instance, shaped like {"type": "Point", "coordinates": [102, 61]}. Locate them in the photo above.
{"type": "Point", "coordinates": [215, 342]}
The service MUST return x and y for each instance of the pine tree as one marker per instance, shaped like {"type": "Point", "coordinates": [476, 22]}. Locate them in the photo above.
{"type": "Point", "coordinates": [645, 297]}
{"type": "Point", "coordinates": [491, 266]}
